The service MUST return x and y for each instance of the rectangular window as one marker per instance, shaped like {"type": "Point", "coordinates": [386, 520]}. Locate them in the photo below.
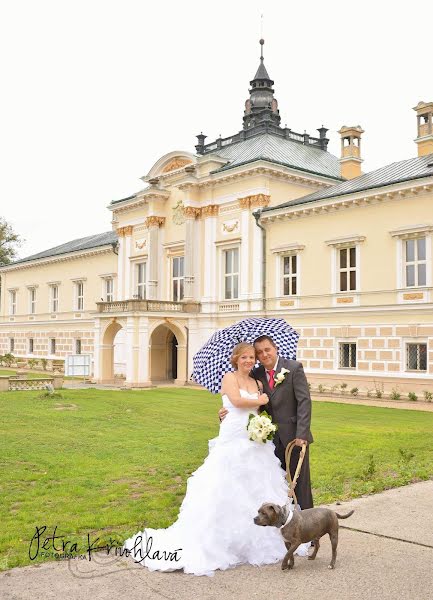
{"type": "Point", "coordinates": [79, 289]}
{"type": "Point", "coordinates": [290, 274]}
{"type": "Point", "coordinates": [54, 298]}
{"type": "Point", "coordinates": [347, 356]}
{"type": "Point", "coordinates": [32, 299]}
{"type": "Point", "coordinates": [415, 262]}
{"type": "Point", "coordinates": [231, 274]}
{"type": "Point", "coordinates": [141, 281]}
{"type": "Point", "coordinates": [31, 345]}
{"type": "Point", "coordinates": [77, 346]}
{"type": "Point", "coordinates": [416, 357]}
{"type": "Point", "coordinates": [347, 269]}
{"type": "Point", "coordinates": [11, 345]}
{"type": "Point", "coordinates": [52, 346]}
{"type": "Point", "coordinates": [178, 278]}
{"type": "Point", "coordinates": [109, 296]}
{"type": "Point", "coordinates": [13, 302]}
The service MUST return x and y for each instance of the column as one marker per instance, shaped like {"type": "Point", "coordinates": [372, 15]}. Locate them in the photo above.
{"type": "Point", "coordinates": [211, 273]}
{"type": "Point", "coordinates": [130, 351]}
{"type": "Point", "coordinates": [244, 291]}
{"type": "Point", "coordinates": [120, 265]}
{"type": "Point", "coordinates": [153, 223]}
{"type": "Point", "coordinates": [127, 262]}
{"type": "Point", "coordinates": [191, 213]}
{"type": "Point", "coordinates": [143, 352]}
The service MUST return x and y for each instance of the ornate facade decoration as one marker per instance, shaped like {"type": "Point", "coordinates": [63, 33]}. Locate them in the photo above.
{"type": "Point", "coordinates": [211, 210]}
{"type": "Point", "coordinates": [122, 231]}
{"type": "Point", "coordinates": [178, 217]}
{"type": "Point", "coordinates": [191, 212]}
{"type": "Point", "coordinates": [154, 221]}
{"type": "Point", "coordinates": [255, 201]}
{"type": "Point", "coordinates": [230, 226]}
{"type": "Point", "coordinates": [140, 244]}
{"type": "Point", "coordinates": [176, 163]}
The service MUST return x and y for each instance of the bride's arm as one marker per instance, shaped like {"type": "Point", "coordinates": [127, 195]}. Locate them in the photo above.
{"type": "Point", "coordinates": [231, 389]}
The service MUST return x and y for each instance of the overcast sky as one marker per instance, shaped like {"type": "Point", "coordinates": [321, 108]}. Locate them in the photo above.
{"type": "Point", "coordinates": [94, 92]}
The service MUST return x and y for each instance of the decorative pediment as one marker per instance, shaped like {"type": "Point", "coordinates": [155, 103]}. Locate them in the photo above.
{"type": "Point", "coordinates": [176, 163]}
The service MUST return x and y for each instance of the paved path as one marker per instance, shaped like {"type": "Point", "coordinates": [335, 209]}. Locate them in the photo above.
{"type": "Point", "coordinates": [385, 553]}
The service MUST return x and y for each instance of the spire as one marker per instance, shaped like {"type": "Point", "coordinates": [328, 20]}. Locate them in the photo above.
{"type": "Point", "coordinates": [261, 105]}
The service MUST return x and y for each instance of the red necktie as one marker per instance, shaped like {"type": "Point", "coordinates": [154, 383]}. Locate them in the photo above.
{"type": "Point", "coordinates": [271, 378]}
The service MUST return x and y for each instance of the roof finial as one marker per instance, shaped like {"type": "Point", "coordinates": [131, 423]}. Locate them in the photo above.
{"type": "Point", "coordinates": [261, 41]}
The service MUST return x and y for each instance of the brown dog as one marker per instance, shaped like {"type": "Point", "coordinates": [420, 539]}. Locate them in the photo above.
{"type": "Point", "coordinates": [301, 526]}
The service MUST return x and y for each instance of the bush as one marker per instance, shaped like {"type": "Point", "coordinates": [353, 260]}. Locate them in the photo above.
{"type": "Point", "coordinates": [7, 359]}
{"type": "Point", "coordinates": [369, 393]}
{"type": "Point", "coordinates": [354, 391]}
{"type": "Point", "coordinates": [343, 387]}
{"type": "Point", "coordinates": [379, 389]}
{"type": "Point", "coordinates": [44, 363]}
{"type": "Point", "coordinates": [412, 396]}
{"type": "Point", "coordinates": [395, 394]}
{"type": "Point", "coordinates": [428, 396]}
{"type": "Point", "coordinates": [32, 362]}
{"type": "Point", "coordinates": [321, 388]}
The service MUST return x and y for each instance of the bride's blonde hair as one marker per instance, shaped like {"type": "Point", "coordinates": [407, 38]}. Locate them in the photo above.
{"type": "Point", "coordinates": [238, 350]}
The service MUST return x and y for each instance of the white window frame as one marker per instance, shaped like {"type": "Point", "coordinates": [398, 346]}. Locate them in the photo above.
{"type": "Point", "coordinates": [348, 269]}
{"type": "Point", "coordinates": [11, 345]}
{"type": "Point", "coordinates": [54, 298]}
{"type": "Point", "coordinates": [408, 343]}
{"type": "Point", "coordinates": [231, 275]}
{"type": "Point", "coordinates": [415, 263]}
{"type": "Point", "coordinates": [338, 353]}
{"type": "Point", "coordinates": [290, 276]}
{"type": "Point", "coordinates": [406, 233]}
{"type": "Point", "coordinates": [32, 299]}
{"type": "Point", "coordinates": [337, 244]}
{"type": "Point", "coordinates": [52, 346]}
{"type": "Point", "coordinates": [13, 294]}
{"type": "Point", "coordinates": [109, 289]}
{"type": "Point", "coordinates": [78, 346]}
{"type": "Point", "coordinates": [31, 345]}
{"type": "Point", "coordinates": [140, 285]}
{"type": "Point", "coordinates": [176, 281]}
{"type": "Point", "coordinates": [79, 298]}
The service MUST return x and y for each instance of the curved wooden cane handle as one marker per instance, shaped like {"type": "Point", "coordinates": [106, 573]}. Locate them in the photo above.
{"type": "Point", "coordinates": [293, 482]}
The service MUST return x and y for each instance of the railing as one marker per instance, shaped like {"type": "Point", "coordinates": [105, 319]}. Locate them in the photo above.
{"type": "Point", "coordinates": [147, 306]}
{"type": "Point", "coordinates": [14, 383]}
{"type": "Point", "coordinates": [286, 133]}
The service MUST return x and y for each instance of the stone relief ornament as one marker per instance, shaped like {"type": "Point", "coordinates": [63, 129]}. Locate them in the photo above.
{"type": "Point", "coordinates": [140, 244]}
{"type": "Point", "coordinates": [176, 163]}
{"type": "Point", "coordinates": [178, 217]}
{"type": "Point", "coordinates": [230, 227]}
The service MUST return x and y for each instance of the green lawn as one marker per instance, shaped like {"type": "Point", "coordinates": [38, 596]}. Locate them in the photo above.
{"type": "Point", "coordinates": [113, 462]}
{"type": "Point", "coordinates": [29, 374]}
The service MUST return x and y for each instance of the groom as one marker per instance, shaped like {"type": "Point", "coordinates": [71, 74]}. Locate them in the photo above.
{"type": "Point", "coordinates": [290, 407]}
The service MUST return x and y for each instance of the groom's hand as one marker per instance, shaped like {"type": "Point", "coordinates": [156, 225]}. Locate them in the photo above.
{"type": "Point", "coordinates": [222, 413]}
{"type": "Point", "coordinates": [299, 442]}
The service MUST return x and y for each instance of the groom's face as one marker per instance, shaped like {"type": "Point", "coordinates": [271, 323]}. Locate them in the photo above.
{"type": "Point", "coordinates": [266, 353]}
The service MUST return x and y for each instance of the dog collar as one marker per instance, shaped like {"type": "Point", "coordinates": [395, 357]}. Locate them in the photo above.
{"type": "Point", "coordinates": [289, 518]}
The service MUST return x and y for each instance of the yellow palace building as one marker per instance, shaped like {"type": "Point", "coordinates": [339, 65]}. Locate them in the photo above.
{"type": "Point", "coordinates": [264, 223]}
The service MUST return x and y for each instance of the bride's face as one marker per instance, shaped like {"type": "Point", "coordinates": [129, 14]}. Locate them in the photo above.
{"type": "Point", "coordinates": [246, 361]}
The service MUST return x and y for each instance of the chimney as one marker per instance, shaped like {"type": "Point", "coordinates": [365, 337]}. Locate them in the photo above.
{"type": "Point", "coordinates": [350, 161]}
{"type": "Point", "coordinates": [424, 115]}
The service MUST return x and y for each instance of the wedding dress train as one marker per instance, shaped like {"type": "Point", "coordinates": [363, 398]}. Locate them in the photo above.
{"type": "Point", "coordinates": [215, 528]}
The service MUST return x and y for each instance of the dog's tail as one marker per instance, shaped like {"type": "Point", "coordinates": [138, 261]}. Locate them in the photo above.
{"type": "Point", "coordinates": [349, 514]}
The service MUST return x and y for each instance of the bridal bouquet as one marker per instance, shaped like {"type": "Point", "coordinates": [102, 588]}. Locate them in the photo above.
{"type": "Point", "coordinates": [260, 427]}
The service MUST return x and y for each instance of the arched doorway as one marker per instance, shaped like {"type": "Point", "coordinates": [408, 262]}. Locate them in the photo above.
{"type": "Point", "coordinates": [112, 352]}
{"type": "Point", "coordinates": [168, 354]}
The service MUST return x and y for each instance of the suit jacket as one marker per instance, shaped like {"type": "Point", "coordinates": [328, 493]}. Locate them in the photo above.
{"type": "Point", "coordinates": [289, 402]}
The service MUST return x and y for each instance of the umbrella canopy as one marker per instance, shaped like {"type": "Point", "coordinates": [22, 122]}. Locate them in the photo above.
{"type": "Point", "coordinates": [212, 361]}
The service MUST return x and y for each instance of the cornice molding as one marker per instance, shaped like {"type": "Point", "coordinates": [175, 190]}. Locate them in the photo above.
{"type": "Point", "coordinates": [330, 205]}
{"type": "Point", "coordinates": [411, 232]}
{"type": "Point", "coordinates": [255, 201]}
{"type": "Point", "coordinates": [56, 259]}
{"type": "Point", "coordinates": [346, 240]}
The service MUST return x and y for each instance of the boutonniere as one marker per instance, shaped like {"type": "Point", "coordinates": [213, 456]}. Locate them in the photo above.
{"type": "Point", "coordinates": [279, 378]}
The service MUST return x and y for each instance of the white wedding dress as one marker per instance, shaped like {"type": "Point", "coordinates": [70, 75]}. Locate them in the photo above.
{"type": "Point", "coordinates": [215, 528]}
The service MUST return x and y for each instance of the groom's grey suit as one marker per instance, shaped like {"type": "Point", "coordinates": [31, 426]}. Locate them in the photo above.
{"type": "Point", "coordinates": [290, 407]}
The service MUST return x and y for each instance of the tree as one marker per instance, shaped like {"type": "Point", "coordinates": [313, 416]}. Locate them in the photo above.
{"type": "Point", "coordinates": [9, 240]}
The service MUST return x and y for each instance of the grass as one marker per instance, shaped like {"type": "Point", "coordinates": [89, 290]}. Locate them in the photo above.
{"type": "Point", "coordinates": [109, 463]}
{"type": "Point", "coordinates": [29, 374]}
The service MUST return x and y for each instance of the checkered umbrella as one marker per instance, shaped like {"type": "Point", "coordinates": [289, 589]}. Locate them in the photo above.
{"type": "Point", "coordinates": [212, 361]}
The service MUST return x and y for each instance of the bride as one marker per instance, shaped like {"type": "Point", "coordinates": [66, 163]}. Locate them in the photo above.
{"type": "Point", "coordinates": [215, 527]}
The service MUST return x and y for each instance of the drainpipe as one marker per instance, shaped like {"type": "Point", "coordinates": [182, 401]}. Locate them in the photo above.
{"type": "Point", "coordinates": [256, 215]}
